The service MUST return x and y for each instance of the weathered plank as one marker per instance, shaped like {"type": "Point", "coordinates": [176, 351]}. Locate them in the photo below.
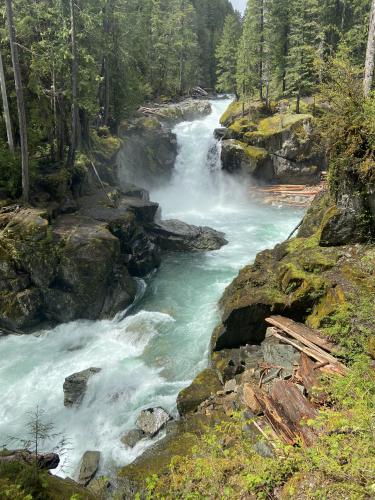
{"type": "Point", "coordinates": [310, 352]}
{"type": "Point", "coordinates": [293, 328]}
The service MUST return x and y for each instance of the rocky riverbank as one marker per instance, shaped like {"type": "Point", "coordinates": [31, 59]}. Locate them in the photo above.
{"type": "Point", "coordinates": [272, 145]}
{"type": "Point", "coordinates": [318, 279]}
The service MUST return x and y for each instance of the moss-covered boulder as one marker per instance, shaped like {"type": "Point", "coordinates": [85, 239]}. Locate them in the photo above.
{"type": "Point", "coordinates": [271, 144]}
{"type": "Point", "coordinates": [202, 387]}
{"type": "Point", "coordinates": [329, 287]}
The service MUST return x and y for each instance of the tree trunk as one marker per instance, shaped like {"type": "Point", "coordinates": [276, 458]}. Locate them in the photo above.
{"type": "Point", "coordinates": [298, 106]}
{"type": "Point", "coordinates": [261, 50]}
{"type": "Point", "coordinates": [370, 54]}
{"type": "Point", "coordinates": [20, 103]}
{"type": "Point", "coordinates": [74, 132]}
{"type": "Point", "coordinates": [7, 119]}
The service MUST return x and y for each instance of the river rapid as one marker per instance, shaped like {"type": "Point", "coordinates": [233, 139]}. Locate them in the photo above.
{"type": "Point", "coordinates": [148, 354]}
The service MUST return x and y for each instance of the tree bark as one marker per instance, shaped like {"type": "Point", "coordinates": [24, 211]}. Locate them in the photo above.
{"type": "Point", "coordinates": [8, 122]}
{"type": "Point", "coordinates": [370, 54]}
{"type": "Point", "coordinates": [74, 132]}
{"type": "Point", "coordinates": [20, 102]}
{"type": "Point", "coordinates": [261, 50]}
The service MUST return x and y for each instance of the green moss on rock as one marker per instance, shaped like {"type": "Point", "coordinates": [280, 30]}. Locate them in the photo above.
{"type": "Point", "coordinates": [202, 387]}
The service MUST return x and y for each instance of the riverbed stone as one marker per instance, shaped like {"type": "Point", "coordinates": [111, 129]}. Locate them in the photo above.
{"type": "Point", "coordinates": [75, 386]}
{"type": "Point", "coordinates": [153, 420]}
{"type": "Point", "coordinates": [178, 236]}
{"type": "Point", "coordinates": [133, 437]}
{"type": "Point", "coordinates": [89, 467]}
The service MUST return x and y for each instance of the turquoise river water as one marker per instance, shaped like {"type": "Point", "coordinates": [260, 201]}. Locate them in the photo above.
{"type": "Point", "coordinates": [149, 354]}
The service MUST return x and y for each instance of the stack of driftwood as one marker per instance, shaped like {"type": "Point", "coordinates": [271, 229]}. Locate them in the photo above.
{"type": "Point", "coordinates": [296, 195]}
{"type": "Point", "coordinates": [287, 405]}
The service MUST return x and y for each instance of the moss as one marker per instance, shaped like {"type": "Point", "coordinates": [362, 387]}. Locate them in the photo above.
{"type": "Point", "coordinates": [242, 125]}
{"type": "Point", "coordinates": [107, 145]}
{"type": "Point", "coordinates": [333, 302]}
{"type": "Point", "coordinates": [205, 384]}
{"type": "Point", "coordinates": [276, 124]}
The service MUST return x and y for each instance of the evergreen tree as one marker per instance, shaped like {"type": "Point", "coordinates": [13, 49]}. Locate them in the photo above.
{"type": "Point", "coordinates": [226, 54]}
{"type": "Point", "coordinates": [304, 43]}
{"type": "Point", "coordinates": [251, 52]}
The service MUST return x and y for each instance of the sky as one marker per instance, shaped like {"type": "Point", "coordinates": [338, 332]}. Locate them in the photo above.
{"type": "Point", "coordinates": [239, 5]}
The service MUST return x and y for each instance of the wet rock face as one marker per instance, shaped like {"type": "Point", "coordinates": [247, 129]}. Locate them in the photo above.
{"type": "Point", "coordinates": [133, 437]}
{"type": "Point", "coordinates": [75, 386]}
{"type": "Point", "coordinates": [149, 149]}
{"type": "Point", "coordinates": [205, 384]}
{"type": "Point", "coordinates": [178, 236]}
{"type": "Point", "coordinates": [152, 421]}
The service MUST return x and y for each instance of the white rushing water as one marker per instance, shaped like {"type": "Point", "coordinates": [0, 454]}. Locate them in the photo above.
{"type": "Point", "coordinates": [149, 356]}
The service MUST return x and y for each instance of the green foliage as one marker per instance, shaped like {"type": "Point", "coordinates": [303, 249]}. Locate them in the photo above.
{"type": "Point", "coordinates": [226, 55]}
{"type": "Point", "coordinates": [342, 460]}
{"type": "Point", "coordinates": [10, 172]}
{"type": "Point", "coordinates": [348, 125]}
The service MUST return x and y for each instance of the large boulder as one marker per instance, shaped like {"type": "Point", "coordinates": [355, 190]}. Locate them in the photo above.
{"type": "Point", "coordinates": [148, 153]}
{"type": "Point", "coordinates": [90, 267]}
{"type": "Point", "coordinates": [281, 147]}
{"type": "Point", "coordinates": [202, 387]}
{"type": "Point", "coordinates": [153, 420]}
{"type": "Point", "coordinates": [89, 467]}
{"type": "Point", "coordinates": [75, 386]}
{"type": "Point", "coordinates": [181, 237]}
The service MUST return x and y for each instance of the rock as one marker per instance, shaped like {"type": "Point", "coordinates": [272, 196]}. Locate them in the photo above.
{"type": "Point", "coordinates": [90, 268]}
{"type": "Point", "coordinates": [205, 384]}
{"type": "Point", "coordinates": [250, 399]}
{"type": "Point", "coordinates": [46, 461]}
{"type": "Point", "coordinates": [230, 386]}
{"type": "Point", "coordinates": [280, 148]}
{"type": "Point", "coordinates": [133, 437]}
{"type": "Point", "coordinates": [152, 421]}
{"type": "Point", "coordinates": [222, 134]}
{"type": "Point", "coordinates": [280, 355]}
{"type": "Point", "coordinates": [148, 153]}
{"type": "Point", "coordinates": [89, 467]}
{"type": "Point", "coordinates": [75, 386]}
{"type": "Point", "coordinates": [178, 236]}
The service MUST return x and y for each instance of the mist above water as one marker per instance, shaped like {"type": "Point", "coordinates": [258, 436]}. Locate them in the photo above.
{"type": "Point", "coordinates": [148, 357]}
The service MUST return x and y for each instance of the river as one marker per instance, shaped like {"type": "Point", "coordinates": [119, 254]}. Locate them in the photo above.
{"type": "Point", "coordinates": [150, 354]}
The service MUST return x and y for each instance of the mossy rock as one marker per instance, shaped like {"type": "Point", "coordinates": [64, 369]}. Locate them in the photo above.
{"type": "Point", "coordinates": [203, 386]}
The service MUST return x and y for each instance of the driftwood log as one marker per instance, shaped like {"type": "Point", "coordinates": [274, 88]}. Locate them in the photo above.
{"type": "Point", "coordinates": [286, 409]}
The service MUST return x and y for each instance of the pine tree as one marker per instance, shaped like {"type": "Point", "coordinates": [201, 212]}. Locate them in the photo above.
{"type": "Point", "coordinates": [226, 54]}
{"type": "Point", "coordinates": [251, 52]}
{"type": "Point", "coordinates": [304, 42]}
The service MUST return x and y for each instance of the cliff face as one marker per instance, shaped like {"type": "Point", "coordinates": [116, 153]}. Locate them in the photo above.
{"type": "Point", "coordinates": [271, 145]}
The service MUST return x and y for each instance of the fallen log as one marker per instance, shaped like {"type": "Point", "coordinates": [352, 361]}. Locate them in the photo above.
{"type": "Point", "coordinates": [285, 409]}
{"type": "Point", "coordinates": [312, 353]}
{"type": "Point", "coordinates": [297, 408]}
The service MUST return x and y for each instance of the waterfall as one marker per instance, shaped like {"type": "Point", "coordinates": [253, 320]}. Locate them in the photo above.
{"type": "Point", "coordinates": [146, 357]}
